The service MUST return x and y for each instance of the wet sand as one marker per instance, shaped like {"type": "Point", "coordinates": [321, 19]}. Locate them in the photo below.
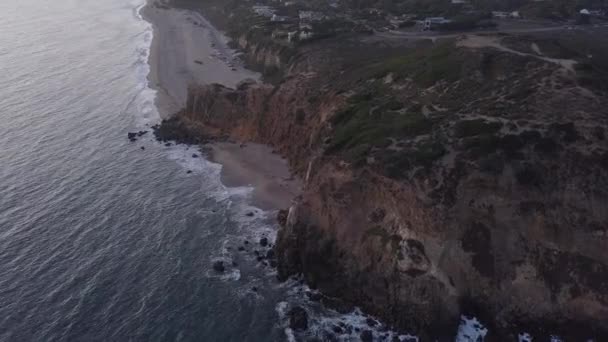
{"type": "Point", "coordinates": [255, 165]}
{"type": "Point", "coordinates": [186, 50]}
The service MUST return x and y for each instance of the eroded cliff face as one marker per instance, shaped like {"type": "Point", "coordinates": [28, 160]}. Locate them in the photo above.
{"type": "Point", "coordinates": [491, 199]}
{"type": "Point", "coordinates": [510, 258]}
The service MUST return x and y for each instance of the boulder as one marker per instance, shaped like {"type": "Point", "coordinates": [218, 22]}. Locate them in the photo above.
{"type": "Point", "coordinates": [366, 336]}
{"type": "Point", "coordinates": [218, 266]}
{"type": "Point", "coordinates": [270, 254]}
{"type": "Point", "coordinates": [264, 242]}
{"type": "Point", "coordinates": [298, 319]}
{"type": "Point", "coordinates": [371, 322]}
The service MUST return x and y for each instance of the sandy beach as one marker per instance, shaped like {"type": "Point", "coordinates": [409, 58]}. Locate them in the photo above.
{"type": "Point", "coordinates": [255, 165]}
{"type": "Point", "coordinates": [186, 50]}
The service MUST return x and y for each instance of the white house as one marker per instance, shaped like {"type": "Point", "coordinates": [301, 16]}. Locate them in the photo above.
{"type": "Point", "coordinates": [263, 10]}
{"type": "Point", "coordinates": [311, 16]}
{"type": "Point", "coordinates": [279, 18]}
{"type": "Point", "coordinates": [305, 35]}
{"type": "Point", "coordinates": [434, 21]}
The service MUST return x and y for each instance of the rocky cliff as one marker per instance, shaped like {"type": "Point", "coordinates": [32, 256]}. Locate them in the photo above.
{"type": "Point", "coordinates": [461, 177]}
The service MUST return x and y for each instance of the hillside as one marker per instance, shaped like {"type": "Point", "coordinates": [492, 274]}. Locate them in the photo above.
{"type": "Point", "coordinates": [465, 175]}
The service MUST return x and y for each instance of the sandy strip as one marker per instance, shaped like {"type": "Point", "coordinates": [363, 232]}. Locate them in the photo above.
{"type": "Point", "coordinates": [255, 165]}
{"type": "Point", "coordinates": [186, 49]}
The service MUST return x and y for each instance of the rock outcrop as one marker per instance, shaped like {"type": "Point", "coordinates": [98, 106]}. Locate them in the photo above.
{"type": "Point", "coordinates": [461, 180]}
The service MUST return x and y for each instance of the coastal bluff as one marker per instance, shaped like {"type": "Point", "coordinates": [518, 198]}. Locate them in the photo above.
{"type": "Point", "coordinates": [465, 176]}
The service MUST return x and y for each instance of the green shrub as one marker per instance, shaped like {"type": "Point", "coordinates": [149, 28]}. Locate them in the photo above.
{"type": "Point", "coordinates": [425, 66]}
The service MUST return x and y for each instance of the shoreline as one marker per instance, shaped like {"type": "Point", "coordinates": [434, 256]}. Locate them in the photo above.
{"type": "Point", "coordinates": [186, 49]}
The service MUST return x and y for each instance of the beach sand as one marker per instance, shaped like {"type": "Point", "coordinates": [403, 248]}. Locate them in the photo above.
{"type": "Point", "coordinates": [186, 50]}
{"type": "Point", "coordinates": [255, 165]}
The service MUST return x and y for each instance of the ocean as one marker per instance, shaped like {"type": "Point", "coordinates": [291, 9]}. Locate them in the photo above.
{"type": "Point", "coordinates": [103, 239]}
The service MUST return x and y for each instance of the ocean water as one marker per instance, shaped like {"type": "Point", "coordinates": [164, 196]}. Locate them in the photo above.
{"type": "Point", "coordinates": [99, 239]}
{"type": "Point", "coordinates": [102, 239]}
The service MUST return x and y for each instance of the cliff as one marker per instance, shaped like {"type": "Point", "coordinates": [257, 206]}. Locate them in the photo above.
{"type": "Point", "coordinates": [467, 176]}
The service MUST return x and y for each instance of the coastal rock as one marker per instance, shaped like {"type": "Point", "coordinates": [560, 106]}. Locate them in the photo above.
{"type": "Point", "coordinates": [495, 211]}
{"type": "Point", "coordinates": [219, 267]}
{"type": "Point", "coordinates": [282, 217]}
{"type": "Point", "coordinates": [298, 319]}
{"type": "Point", "coordinates": [270, 254]}
{"type": "Point", "coordinates": [366, 336]}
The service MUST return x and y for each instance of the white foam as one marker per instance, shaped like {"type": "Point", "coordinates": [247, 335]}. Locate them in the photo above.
{"type": "Point", "coordinates": [470, 330]}
{"type": "Point", "coordinates": [281, 309]}
{"type": "Point", "coordinates": [524, 337]}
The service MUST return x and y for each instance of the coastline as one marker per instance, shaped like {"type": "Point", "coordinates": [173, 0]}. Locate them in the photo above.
{"type": "Point", "coordinates": [186, 49]}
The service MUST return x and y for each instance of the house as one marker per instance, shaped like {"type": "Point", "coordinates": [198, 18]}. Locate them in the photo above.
{"type": "Point", "coordinates": [291, 36]}
{"type": "Point", "coordinates": [500, 14]}
{"type": "Point", "coordinates": [311, 16]}
{"type": "Point", "coordinates": [263, 10]}
{"type": "Point", "coordinates": [305, 26]}
{"type": "Point", "coordinates": [431, 22]}
{"type": "Point", "coordinates": [279, 18]}
{"type": "Point", "coordinates": [304, 35]}
{"type": "Point", "coordinates": [505, 15]}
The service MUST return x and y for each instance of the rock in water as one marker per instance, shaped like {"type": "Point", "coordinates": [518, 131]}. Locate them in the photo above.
{"type": "Point", "coordinates": [270, 254]}
{"type": "Point", "coordinates": [367, 336]}
{"type": "Point", "coordinates": [218, 266]}
{"type": "Point", "coordinates": [264, 242]}
{"type": "Point", "coordinates": [298, 319]}
{"type": "Point", "coordinates": [195, 156]}
{"type": "Point", "coordinates": [370, 322]}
